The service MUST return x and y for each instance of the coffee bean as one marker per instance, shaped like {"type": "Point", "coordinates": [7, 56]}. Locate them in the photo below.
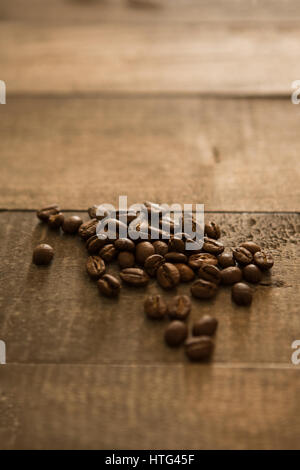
{"type": "Point", "coordinates": [241, 294]}
{"type": "Point", "coordinates": [176, 244]}
{"type": "Point", "coordinates": [152, 264]}
{"type": "Point", "coordinates": [95, 267]}
{"type": "Point", "coordinates": [226, 260]}
{"type": "Point", "coordinates": [168, 276]}
{"type": "Point", "coordinates": [71, 224]}
{"type": "Point", "coordinates": [203, 289]}
{"type": "Point", "coordinates": [44, 214]}
{"type": "Point", "coordinates": [92, 211]}
{"type": "Point", "coordinates": [124, 244]}
{"type": "Point", "coordinates": [175, 257]}
{"type": "Point", "coordinates": [242, 255]}
{"type": "Point", "coordinates": [263, 260]}
{"type": "Point", "coordinates": [251, 246]}
{"type": "Point", "coordinates": [212, 246]}
{"type": "Point", "coordinates": [231, 275]}
{"type": "Point", "coordinates": [252, 273]}
{"type": "Point", "coordinates": [108, 253]}
{"type": "Point", "coordinates": [126, 259]}
{"type": "Point", "coordinates": [155, 307]}
{"type": "Point", "coordinates": [206, 326]}
{"type": "Point", "coordinates": [212, 230]}
{"type": "Point", "coordinates": [88, 229]}
{"type": "Point", "coordinates": [185, 272]}
{"type": "Point", "coordinates": [109, 285]}
{"type": "Point", "coordinates": [56, 220]}
{"type": "Point", "coordinates": [197, 260]}
{"type": "Point", "coordinates": [176, 333]}
{"type": "Point", "coordinates": [43, 254]}
{"type": "Point", "coordinates": [134, 276]}
{"type": "Point", "coordinates": [179, 307]}
{"type": "Point", "coordinates": [95, 243]}
{"type": "Point", "coordinates": [199, 348]}
{"type": "Point", "coordinates": [210, 273]}
{"type": "Point", "coordinates": [143, 251]}
{"type": "Point", "coordinates": [160, 247]}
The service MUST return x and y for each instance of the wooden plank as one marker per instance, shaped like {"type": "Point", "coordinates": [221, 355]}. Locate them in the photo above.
{"type": "Point", "coordinates": [228, 154]}
{"type": "Point", "coordinates": [56, 315]}
{"type": "Point", "coordinates": [154, 407]}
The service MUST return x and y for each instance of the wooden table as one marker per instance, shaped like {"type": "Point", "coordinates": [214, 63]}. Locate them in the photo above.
{"type": "Point", "coordinates": [177, 101]}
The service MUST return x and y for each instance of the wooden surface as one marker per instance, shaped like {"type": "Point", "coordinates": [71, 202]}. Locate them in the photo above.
{"type": "Point", "coordinates": [175, 101]}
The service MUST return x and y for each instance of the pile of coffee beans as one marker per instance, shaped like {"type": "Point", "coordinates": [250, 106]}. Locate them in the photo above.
{"type": "Point", "coordinates": [170, 264]}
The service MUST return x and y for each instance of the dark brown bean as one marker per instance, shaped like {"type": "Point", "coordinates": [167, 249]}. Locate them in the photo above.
{"type": "Point", "coordinates": [43, 254]}
{"type": "Point", "coordinates": [231, 275]}
{"type": "Point", "coordinates": [241, 293]}
{"type": "Point", "coordinates": [175, 257]}
{"type": "Point", "coordinates": [109, 285]}
{"type": "Point", "coordinates": [186, 273]}
{"type": "Point", "coordinates": [212, 246]}
{"type": "Point", "coordinates": [155, 307]}
{"type": "Point", "coordinates": [95, 243]}
{"type": "Point", "coordinates": [252, 273]}
{"type": "Point", "coordinates": [92, 211]}
{"type": "Point", "coordinates": [197, 260]}
{"type": "Point", "coordinates": [71, 224]}
{"type": "Point", "coordinates": [152, 264]}
{"type": "Point", "coordinates": [226, 260]}
{"type": "Point", "coordinates": [160, 247]}
{"type": "Point", "coordinates": [176, 244]}
{"type": "Point", "coordinates": [134, 276]}
{"type": "Point", "coordinates": [179, 307]}
{"type": "Point", "coordinates": [56, 220]}
{"type": "Point", "coordinates": [206, 326]}
{"type": "Point", "coordinates": [124, 244]}
{"type": "Point", "coordinates": [210, 273]}
{"type": "Point", "coordinates": [242, 255]}
{"type": "Point", "coordinates": [108, 253]}
{"type": "Point", "coordinates": [143, 251]}
{"type": "Point", "coordinates": [251, 246]}
{"type": "Point", "coordinates": [199, 348]}
{"type": "Point", "coordinates": [212, 230]}
{"type": "Point", "coordinates": [88, 229]}
{"type": "Point", "coordinates": [204, 289]}
{"type": "Point", "coordinates": [176, 333]}
{"type": "Point", "coordinates": [168, 276]}
{"type": "Point", "coordinates": [263, 260]}
{"type": "Point", "coordinates": [126, 259]}
{"type": "Point", "coordinates": [44, 214]}
{"type": "Point", "coordinates": [95, 267]}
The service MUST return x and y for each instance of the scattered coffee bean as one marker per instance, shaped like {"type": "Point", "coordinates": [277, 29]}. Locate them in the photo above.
{"type": "Point", "coordinates": [210, 273]}
{"type": "Point", "coordinates": [212, 230]}
{"type": "Point", "coordinates": [108, 253]}
{"type": "Point", "coordinates": [251, 246]}
{"type": "Point", "coordinates": [199, 348]}
{"type": "Point", "coordinates": [241, 293]}
{"type": "Point", "coordinates": [155, 307]}
{"type": "Point", "coordinates": [126, 259]}
{"type": "Point", "coordinates": [252, 273]}
{"type": "Point", "coordinates": [92, 211]}
{"type": "Point", "coordinates": [109, 285]}
{"type": "Point", "coordinates": [176, 244]}
{"type": "Point", "coordinates": [71, 224]}
{"type": "Point", "coordinates": [143, 251]}
{"type": "Point", "coordinates": [160, 247]}
{"type": "Point", "coordinates": [88, 229]}
{"type": "Point", "coordinates": [95, 243]}
{"type": "Point", "coordinates": [226, 260]}
{"type": "Point", "coordinates": [179, 307]}
{"type": "Point", "coordinates": [44, 214]}
{"type": "Point", "coordinates": [197, 260]}
{"type": "Point", "coordinates": [176, 333]}
{"type": "Point", "coordinates": [152, 264]}
{"type": "Point", "coordinates": [212, 246]}
{"type": "Point", "coordinates": [206, 326]}
{"type": "Point", "coordinates": [124, 244]}
{"type": "Point", "coordinates": [186, 273]}
{"type": "Point", "coordinates": [43, 254]}
{"type": "Point", "coordinates": [231, 275]}
{"type": "Point", "coordinates": [204, 289]}
{"type": "Point", "coordinates": [95, 267]}
{"type": "Point", "coordinates": [134, 276]}
{"type": "Point", "coordinates": [56, 220]}
{"type": "Point", "coordinates": [263, 260]}
{"type": "Point", "coordinates": [242, 255]}
{"type": "Point", "coordinates": [168, 276]}
{"type": "Point", "coordinates": [175, 257]}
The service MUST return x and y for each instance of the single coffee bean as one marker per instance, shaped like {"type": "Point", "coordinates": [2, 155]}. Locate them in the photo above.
{"type": "Point", "coordinates": [95, 267]}
{"type": "Point", "coordinates": [199, 348]}
{"type": "Point", "coordinates": [109, 285]}
{"type": "Point", "coordinates": [92, 211]}
{"type": "Point", "coordinates": [206, 326]}
{"type": "Point", "coordinates": [134, 276]}
{"type": "Point", "coordinates": [231, 275]}
{"type": "Point", "coordinates": [226, 260]}
{"type": "Point", "coordinates": [44, 214]}
{"type": "Point", "coordinates": [155, 307]}
{"type": "Point", "coordinates": [176, 244]}
{"type": "Point", "coordinates": [152, 264]}
{"type": "Point", "coordinates": [241, 293]}
{"type": "Point", "coordinates": [210, 273]}
{"type": "Point", "coordinates": [108, 253]}
{"type": "Point", "coordinates": [160, 247]}
{"type": "Point", "coordinates": [263, 260]}
{"type": "Point", "coordinates": [88, 229]}
{"type": "Point", "coordinates": [126, 259]}
{"type": "Point", "coordinates": [43, 254]}
{"type": "Point", "coordinates": [179, 307]}
{"type": "Point", "coordinates": [252, 273]}
{"type": "Point", "coordinates": [95, 243]}
{"type": "Point", "coordinates": [251, 246]}
{"type": "Point", "coordinates": [175, 257]}
{"type": "Point", "coordinates": [212, 246]}
{"type": "Point", "coordinates": [56, 220]}
{"type": "Point", "coordinates": [143, 251]}
{"type": "Point", "coordinates": [176, 333]}
{"type": "Point", "coordinates": [168, 276]}
{"type": "Point", "coordinates": [186, 273]}
{"type": "Point", "coordinates": [242, 255]}
{"type": "Point", "coordinates": [71, 224]}
{"type": "Point", "coordinates": [212, 230]}
{"type": "Point", "coordinates": [124, 244]}
{"type": "Point", "coordinates": [204, 289]}
{"type": "Point", "coordinates": [197, 260]}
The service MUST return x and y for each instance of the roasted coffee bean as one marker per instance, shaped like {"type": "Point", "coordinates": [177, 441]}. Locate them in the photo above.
{"type": "Point", "coordinates": [176, 333]}
{"type": "Point", "coordinates": [44, 214]}
{"type": "Point", "coordinates": [160, 247]}
{"type": "Point", "coordinates": [109, 285]}
{"type": "Point", "coordinates": [199, 348]}
{"type": "Point", "coordinates": [231, 275]}
{"type": "Point", "coordinates": [252, 273]}
{"type": "Point", "coordinates": [241, 293]}
{"type": "Point", "coordinates": [152, 264]}
{"type": "Point", "coordinates": [71, 224]}
{"type": "Point", "coordinates": [92, 211]}
{"type": "Point", "coordinates": [124, 244]}
{"type": "Point", "coordinates": [186, 273]}
{"type": "Point", "coordinates": [197, 260]}
{"type": "Point", "coordinates": [175, 257]}
{"type": "Point", "coordinates": [251, 246]}
{"type": "Point", "coordinates": [242, 255]}
{"type": "Point", "coordinates": [88, 229]}
{"type": "Point", "coordinates": [95, 243]}
{"type": "Point", "coordinates": [56, 220]}
{"type": "Point", "coordinates": [126, 259]}
{"type": "Point", "coordinates": [212, 230]}
{"type": "Point", "coordinates": [155, 307]}
{"type": "Point", "coordinates": [179, 307]}
{"type": "Point", "coordinates": [210, 273]}
{"type": "Point", "coordinates": [206, 326]}
{"type": "Point", "coordinates": [263, 260]}
{"type": "Point", "coordinates": [226, 260]}
{"type": "Point", "coordinates": [212, 246]}
{"type": "Point", "coordinates": [108, 253]}
{"type": "Point", "coordinates": [43, 254]}
{"type": "Point", "coordinates": [143, 251]}
{"type": "Point", "coordinates": [176, 244]}
{"type": "Point", "coordinates": [95, 267]}
{"type": "Point", "coordinates": [203, 289]}
{"type": "Point", "coordinates": [134, 276]}
{"type": "Point", "coordinates": [168, 276]}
